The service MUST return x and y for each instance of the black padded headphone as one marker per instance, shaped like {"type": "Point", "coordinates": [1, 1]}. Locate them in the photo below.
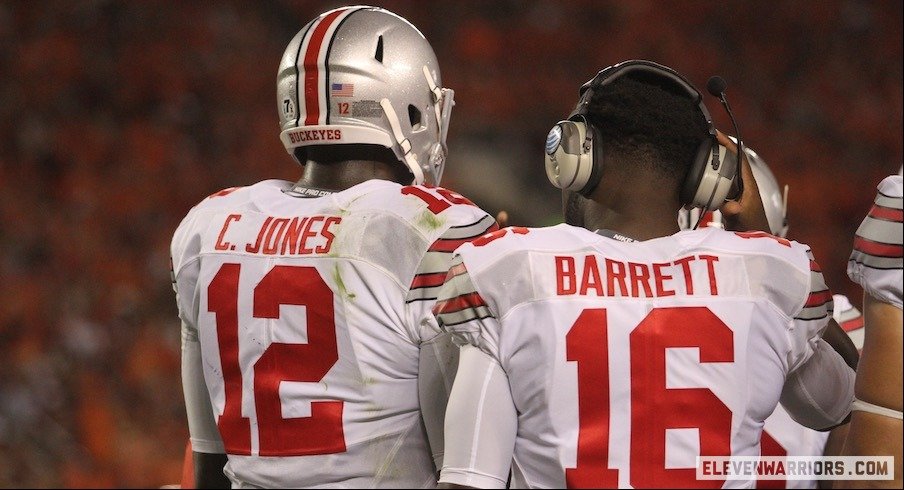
{"type": "Point", "coordinates": [574, 162]}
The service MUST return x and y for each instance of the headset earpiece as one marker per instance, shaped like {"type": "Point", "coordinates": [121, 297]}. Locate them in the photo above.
{"type": "Point", "coordinates": [570, 156]}
{"type": "Point", "coordinates": [711, 178]}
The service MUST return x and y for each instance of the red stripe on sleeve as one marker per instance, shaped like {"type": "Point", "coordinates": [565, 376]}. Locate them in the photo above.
{"type": "Point", "coordinates": [878, 249]}
{"type": "Point", "coordinates": [885, 213]}
{"type": "Point", "coordinates": [814, 266]}
{"type": "Point", "coordinates": [818, 298]}
{"type": "Point", "coordinates": [457, 270]}
{"type": "Point", "coordinates": [311, 70]}
{"type": "Point", "coordinates": [458, 303]}
{"type": "Point", "coordinates": [853, 324]}
{"type": "Point", "coordinates": [224, 192]}
{"type": "Point", "coordinates": [446, 245]}
{"type": "Point", "coordinates": [450, 244]}
{"type": "Point", "coordinates": [428, 280]}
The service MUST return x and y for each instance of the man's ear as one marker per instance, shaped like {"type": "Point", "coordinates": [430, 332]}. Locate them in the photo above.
{"type": "Point", "coordinates": [502, 218]}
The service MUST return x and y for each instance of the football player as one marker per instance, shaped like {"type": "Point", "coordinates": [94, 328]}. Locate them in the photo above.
{"type": "Point", "coordinates": [876, 264]}
{"type": "Point", "coordinates": [613, 350]}
{"type": "Point", "coordinates": [782, 436]}
{"type": "Point", "coordinates": [304, 355]}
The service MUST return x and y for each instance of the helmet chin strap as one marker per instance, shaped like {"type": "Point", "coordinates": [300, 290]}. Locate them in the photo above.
{"type": "Point", "coordinates": [403, 142]}
{"type": "Point", "coordinates": [437, 94]}
{"type": "Point", "coordinates": [443, 100]}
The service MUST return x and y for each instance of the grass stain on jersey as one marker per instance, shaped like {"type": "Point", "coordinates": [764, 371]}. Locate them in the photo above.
{"type": "Point", "coordinates": [337, 276]}
{"type": "Point", "coordinates": [387, 469]}
{"type": "Point", "coordinates": [372, 408]}
{"type": "Point", "coordinates": [430, 221]}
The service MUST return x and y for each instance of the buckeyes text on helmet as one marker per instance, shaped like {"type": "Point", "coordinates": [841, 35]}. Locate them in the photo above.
{"type": "Point", "coordinates": [364, 75]}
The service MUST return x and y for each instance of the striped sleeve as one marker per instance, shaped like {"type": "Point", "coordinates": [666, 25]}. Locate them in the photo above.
{"type": "Point", "coordinates": [463, 312]}
{"type": "Point", "coordinates": [812, 317]}
{"type": "Point", "coordinates": [819, 303]}
{"type": "Point", "coordinates": [459, 301]}
{"type": "Point", "coordinates": [878, 255]}
{"type": "Point", "coordinates": [431, 272]}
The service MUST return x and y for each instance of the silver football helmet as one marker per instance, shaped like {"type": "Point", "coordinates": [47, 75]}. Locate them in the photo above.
{"type": "Point", "coordinates": [363, 74]}
{"type": "Point", "coordinates": [775, 201]}
{"type": "Point", "coordinates": [775, 198]}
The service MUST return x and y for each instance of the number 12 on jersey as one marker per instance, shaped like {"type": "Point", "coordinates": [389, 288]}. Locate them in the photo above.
{"type": "Point", "coordinates": [322, 432]}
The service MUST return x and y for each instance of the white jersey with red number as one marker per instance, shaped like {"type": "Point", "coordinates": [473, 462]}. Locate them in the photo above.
{"type": "Point", "coordinates": [782, 436]}
{"type": "Point", "coordinates": [306, 313]}
{"type": "Point", "coordinates": [626, 361]}
{"type": "Point", "coordinates": [878, 255]}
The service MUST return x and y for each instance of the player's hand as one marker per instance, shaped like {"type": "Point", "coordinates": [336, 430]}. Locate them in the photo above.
{"type": "Point", "coordinates": [502, 219]}
{"type": "Point", "coordinates": [747, 212]}
{"type": "Point", "coordinates": [834, 335]}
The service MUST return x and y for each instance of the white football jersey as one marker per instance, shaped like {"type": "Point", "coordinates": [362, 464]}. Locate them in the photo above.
{"type": "Point", "coordinates": [307, 315]}
{"type": "Point", "coordinates": [878, 255]}
{"type": "Point", "coordinates": [782, 436]}
{"type": "Point", "coordinates": [626, 361]}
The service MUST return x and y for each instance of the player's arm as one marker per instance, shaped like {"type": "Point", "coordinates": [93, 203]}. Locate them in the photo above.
{"type": "Point", "coordinates": [819, 388]}
{"type": "Point", "coordinates": [879, 377]}
{"type": "Point", "coordinates": [851, 321]}
{"type": "Point", "coordinates": [209, 470]}
{"type": "Point", "coordinates": [834, 336]}
{"type": "Point", "coordinates": [835, 442]}
{"type": "Point", "coordinates": [438, 355]}
{"type": "Point", "coordinates": [209, 454]}
{"type": "Point", "coordinates": [819, 392]}
{"type": "Point", "coordinates": [481, 420]}
{"type": "Point", "coordinates": [876, 425]}
{"type": "Point", "coordinates": [481, 424]}
{"type": "Point", "coordinates": [876, 264]}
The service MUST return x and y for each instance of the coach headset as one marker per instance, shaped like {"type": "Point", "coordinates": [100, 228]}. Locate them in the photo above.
{"type": "Point", "coordinates": [574, 162]}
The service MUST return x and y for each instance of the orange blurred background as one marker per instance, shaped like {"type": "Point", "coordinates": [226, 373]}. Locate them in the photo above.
{"type": "Point", "coordinates": [117, 117]}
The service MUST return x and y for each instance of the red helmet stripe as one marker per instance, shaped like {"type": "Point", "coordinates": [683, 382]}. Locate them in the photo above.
{"type": "Point", "coordinates": [312, 69]}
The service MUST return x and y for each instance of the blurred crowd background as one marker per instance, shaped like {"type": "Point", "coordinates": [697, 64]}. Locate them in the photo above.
{"type": "Point", "coordinates": [117, 116]}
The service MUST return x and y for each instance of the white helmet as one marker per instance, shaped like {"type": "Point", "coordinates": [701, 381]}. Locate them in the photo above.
{"type": "Point", "coordinates": [775, 201]}
{"type": "Point", "coordinates": [775, 198]}
{"type": "Point", "coordinates": [348, 75]}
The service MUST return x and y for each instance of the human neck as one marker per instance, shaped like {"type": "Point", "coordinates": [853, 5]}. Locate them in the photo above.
{"type": "Point", "coordinates": [633, 209]}
{"type": "Point", "coordinates": [639, 226]}
{"type": "Point", "coordinates": [338, 176]}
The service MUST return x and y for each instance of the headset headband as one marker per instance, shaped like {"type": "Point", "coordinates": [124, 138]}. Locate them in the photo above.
{"type": "Point", "coordinates": [618, 70]}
